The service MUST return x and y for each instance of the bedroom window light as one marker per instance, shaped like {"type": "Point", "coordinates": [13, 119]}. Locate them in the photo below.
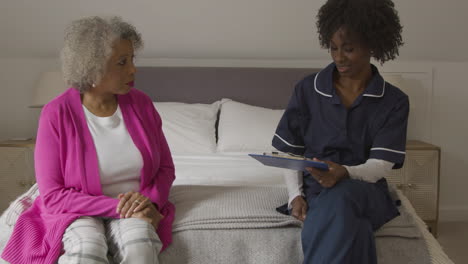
{"type": "Point", "coordinates": [50, 85]}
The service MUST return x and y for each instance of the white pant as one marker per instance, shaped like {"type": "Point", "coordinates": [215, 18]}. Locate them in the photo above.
{"type": "Point", "coordinates": [97, 240]}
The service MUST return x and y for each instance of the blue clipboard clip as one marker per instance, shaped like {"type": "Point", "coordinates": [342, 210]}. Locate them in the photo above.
{"type": "Point", "coordinates": [289, 162]}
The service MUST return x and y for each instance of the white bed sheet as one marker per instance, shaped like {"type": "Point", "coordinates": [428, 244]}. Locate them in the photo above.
{"type": "Point", "coordinates": [225, 169]}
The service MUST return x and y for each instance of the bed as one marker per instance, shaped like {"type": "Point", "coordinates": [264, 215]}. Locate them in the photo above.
{"type": "Point", "coordinates": [225, 200]}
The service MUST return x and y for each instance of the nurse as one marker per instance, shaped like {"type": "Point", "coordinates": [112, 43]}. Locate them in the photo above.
{"type": "Point", "coordinates": [347, 116]}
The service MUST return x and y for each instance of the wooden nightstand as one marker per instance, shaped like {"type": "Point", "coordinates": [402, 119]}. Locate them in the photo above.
{"type": "Point", "coordinates": [16, 169]}
{"type": "Point", "coordinates": [419, 180]}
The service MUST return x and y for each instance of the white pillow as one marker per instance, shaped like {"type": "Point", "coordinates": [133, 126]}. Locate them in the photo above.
{"type": "Point", "coordinates": [189, 128]}
{"type": "Point", "coordinates": [246, 128]}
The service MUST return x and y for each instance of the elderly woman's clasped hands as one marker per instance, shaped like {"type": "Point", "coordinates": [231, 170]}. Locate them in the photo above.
{"type": "Point", "coordinates": [134, 204]}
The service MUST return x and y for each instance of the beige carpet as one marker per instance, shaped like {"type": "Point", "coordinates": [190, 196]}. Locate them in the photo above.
{"type": "Point", "coordinates": [453, 237]}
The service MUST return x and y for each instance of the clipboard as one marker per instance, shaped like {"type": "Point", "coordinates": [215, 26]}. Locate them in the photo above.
{"type": "Point", "coordinates": [288, 162]}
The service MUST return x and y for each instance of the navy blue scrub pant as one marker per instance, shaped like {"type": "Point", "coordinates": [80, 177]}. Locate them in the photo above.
{"type": "Point", "coordinates": [340, 223]}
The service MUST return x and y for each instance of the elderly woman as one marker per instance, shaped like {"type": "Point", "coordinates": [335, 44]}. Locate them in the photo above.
{"type": "Point", "coordinates": [349, 117]}
{"type": "Point", "coordinates": [103, 166]}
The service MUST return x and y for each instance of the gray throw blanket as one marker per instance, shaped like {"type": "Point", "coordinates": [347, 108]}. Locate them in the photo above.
{"type": "Point", "coordinates": [217, 224]}
{"type": "Point", "coordinates": [215, 207]}
{"type": "Point", "coordinates": [401, 226]}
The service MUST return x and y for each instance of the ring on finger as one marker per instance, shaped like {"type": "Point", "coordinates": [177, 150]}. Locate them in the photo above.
{"type": "Point", "coordinates": [137, 201]}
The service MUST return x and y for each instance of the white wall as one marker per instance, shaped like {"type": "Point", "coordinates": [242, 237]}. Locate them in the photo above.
{"type": "Point", "coordinates": [450, 131]}
{"type": "Point", "coordinates": [17, 78]}
{"type": "Point", "coordinates": [234, 29]}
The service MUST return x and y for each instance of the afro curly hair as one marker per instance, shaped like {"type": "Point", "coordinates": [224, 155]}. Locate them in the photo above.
{"type": "Point", "coordinates": [375, 23]}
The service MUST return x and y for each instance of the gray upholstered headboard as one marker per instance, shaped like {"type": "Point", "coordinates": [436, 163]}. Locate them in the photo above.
{"type": "Point", "coordinates": [266, 87]}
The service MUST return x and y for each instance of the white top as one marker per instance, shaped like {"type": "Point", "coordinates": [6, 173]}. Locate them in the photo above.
{"type": "Point", "coordinates": [371, 171]}
{"type": "Point", "coordinates": [120, 162]}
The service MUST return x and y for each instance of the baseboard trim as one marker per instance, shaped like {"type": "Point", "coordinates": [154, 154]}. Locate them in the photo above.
{"type": "Point", "coordinates": [453, 214]}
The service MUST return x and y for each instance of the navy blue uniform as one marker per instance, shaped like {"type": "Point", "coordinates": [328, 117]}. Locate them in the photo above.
{"type": "Point", "coordinates": [340, 220]}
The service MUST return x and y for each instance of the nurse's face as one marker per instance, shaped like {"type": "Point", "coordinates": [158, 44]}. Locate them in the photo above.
{"type": "Point", "coordinates": [352, 58]}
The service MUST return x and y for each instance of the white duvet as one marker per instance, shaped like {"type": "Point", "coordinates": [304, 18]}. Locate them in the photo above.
{"type": "Point", "coordinates": [227, 169]}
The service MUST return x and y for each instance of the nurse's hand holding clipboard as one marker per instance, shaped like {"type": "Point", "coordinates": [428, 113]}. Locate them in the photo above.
{"type": "Point", "coordinates": [329, 178]}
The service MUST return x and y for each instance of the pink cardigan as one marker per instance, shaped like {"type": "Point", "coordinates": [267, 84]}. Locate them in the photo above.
{"type": "Point", "coordinates": [68, 175]}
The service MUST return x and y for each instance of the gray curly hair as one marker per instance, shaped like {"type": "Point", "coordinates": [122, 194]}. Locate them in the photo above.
{"type": "Point", "coordinates": [88, 47]}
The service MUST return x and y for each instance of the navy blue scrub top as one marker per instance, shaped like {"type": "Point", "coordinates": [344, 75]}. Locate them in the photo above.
{"type": "Point", "coordinates": [316, 123]}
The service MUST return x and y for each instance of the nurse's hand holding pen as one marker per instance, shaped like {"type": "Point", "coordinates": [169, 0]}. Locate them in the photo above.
{"type": "Point", "coordinates": [329, 178]}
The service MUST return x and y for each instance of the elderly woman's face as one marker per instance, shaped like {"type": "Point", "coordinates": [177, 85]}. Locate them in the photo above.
{"type": "Point", "coordinates": [120, 70]}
